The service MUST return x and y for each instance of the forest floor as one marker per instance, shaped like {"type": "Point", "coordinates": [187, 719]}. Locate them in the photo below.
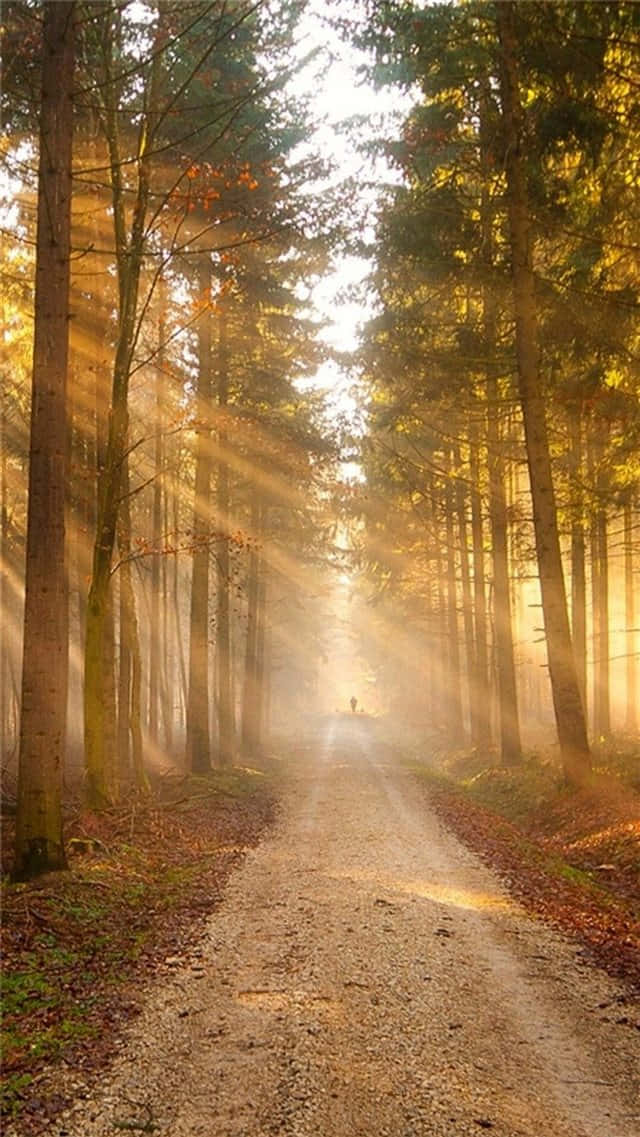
{"type": "Point", "coordinates": [78, 948]}
{"type": "Point", "coordinates": [361, 973]}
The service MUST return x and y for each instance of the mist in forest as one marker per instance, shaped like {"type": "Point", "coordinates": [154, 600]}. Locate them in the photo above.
{"type": "Point", "coordinates": [217, 524]}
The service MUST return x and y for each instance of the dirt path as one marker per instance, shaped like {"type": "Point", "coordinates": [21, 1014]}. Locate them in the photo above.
{"type": "Point", "coordinates": [367, 976]}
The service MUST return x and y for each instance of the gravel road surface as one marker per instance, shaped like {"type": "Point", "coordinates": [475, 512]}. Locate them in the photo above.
{"type": "Point", "coordinates": [367, 976]}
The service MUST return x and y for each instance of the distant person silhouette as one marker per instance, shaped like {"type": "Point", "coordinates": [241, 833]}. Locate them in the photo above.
{"type": "Point", "coordinates": [353, 703]}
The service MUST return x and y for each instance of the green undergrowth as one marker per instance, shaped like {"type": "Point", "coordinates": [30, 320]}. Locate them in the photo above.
{"type": "Point", "coordinates": [76, 944]}
{"type": "Point", "coordinates": [529, 790]}
{"type": "Point", "coordinates": [515, 792]}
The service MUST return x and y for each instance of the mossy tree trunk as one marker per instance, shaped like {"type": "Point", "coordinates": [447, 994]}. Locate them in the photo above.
{"type": "Point", "coordinates": [130, 749]}
{"type": "Point", "coordinates": [129, 253]}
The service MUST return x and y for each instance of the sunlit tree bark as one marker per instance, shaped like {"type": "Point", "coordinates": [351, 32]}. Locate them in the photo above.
{"type": "Point", "coordinates": [569, 714]}
{"type": "Point", "coordinates": [39, 842]}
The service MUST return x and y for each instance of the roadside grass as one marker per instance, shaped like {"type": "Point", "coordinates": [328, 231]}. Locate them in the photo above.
{"type": "Point", "coordinates": [77, 945]}
{"type": "Point", "coordinates": [571, 855]}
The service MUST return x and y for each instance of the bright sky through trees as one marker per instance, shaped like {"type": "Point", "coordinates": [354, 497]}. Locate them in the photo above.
{"type": "Point", "coordinates": [339, 93]}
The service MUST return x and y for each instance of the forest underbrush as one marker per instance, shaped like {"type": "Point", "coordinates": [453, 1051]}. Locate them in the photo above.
{"type": "Point", "coordinates": [571, 856]}
{"type": "Point", "coordinates": [79, 945]}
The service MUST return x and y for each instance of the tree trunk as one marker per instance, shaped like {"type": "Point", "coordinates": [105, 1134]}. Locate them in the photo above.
{"type": "Point", "coordinates": [430, 654]}
{"type": "Point", "coordinates": [261, 655]}
{"type": "Point", "coordinates": [78, 526]}
{"type": "Point", "coordinates": [595, 607]}
{"type": "Point", "coordinates": [167, 654]}
{"type": "Point", "coordinates": [602, 662]}
{"type": "Point", "coordinates": [467, 604]}
{"type": "Point", "coordinates": [631, 718]}
{"type": "Point", "coordinates": [129, 251]}
{"type": "Point", "coordinates": [226, 726]}
{"type": "Point", "coordinates": [39, 843]}
{"type": "Point", "coordinates": [481, 719]}
{"type": "Point", "coordinates": [508, 716]}
{"type": "Point", "coordinates": [570, 720]}
{"type": "Point", "coordinates": [124, 675]}
{"type": "Point", "coordinates": [176, 610]}
{"type": "Point", "coordinates": [108, 782]}
{"type": "Point", "coordinates": [4, 591]}
{"type": "Point", "coordinates": [198, 736]}
{"type": "Point", "coordinates": [251, 695]}
{"type": "Point", "coordinates": [456, 724]}
{"type": "Point", "coordinates": [266, 664]}
{"type": "Point", "coordinates": [156, 534]}
{"type": "Point", "coordinates": [578, 575]}
{"type": "Point", "coordinates": [599, 594]}
{"type": "Point", "coordinates": [129, 708]}
{"type": "Point", "coordinates": [109, 698]}
{"type": "Point", "coordinates": [99, 791]}
{"type": "Point", "coordinates": [441, 678]}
